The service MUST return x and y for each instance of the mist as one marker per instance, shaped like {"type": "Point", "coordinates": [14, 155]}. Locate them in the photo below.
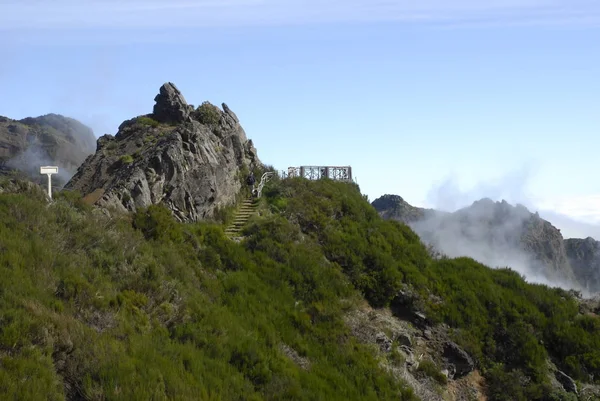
{"type": "Point", "coordinates": [30, 161]}
{"type": "Point", "coordinates": [472, 223]}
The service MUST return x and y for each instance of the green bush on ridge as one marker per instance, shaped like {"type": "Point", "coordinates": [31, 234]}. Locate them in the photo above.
{"type": "Point", "coordinates": [155, 309]}
{"type": "Point", "coordinates": [149, 308]}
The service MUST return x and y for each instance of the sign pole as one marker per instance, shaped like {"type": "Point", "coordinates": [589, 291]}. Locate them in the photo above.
{"type": "Point", "coordinates": [49, 170]}
{"type": "Point", "coordinates": [50, 185]}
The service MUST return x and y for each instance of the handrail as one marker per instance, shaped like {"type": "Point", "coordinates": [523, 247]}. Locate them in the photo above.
{"type": "Point", "coordinates": [263, 180]}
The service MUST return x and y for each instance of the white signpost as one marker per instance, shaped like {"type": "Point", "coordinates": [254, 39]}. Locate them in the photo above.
{"type": "Point", "coordinates": [49, 170]}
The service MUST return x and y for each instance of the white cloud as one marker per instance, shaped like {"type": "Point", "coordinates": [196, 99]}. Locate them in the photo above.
{"type": "Point", "coordinates": [155, 14]}
{"type": "Point", "coordinates": [577, 217]}
{"type": "Point", "coordinates": [585, 209]}
{"type": "Point", "coordinates": [512, 187]}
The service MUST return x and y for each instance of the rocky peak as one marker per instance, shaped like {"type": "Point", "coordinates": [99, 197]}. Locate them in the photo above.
{"type": "Point", "coordinates": [189, 160]}
{"type": "Point", "coordinates": [500, 234]}
{"type": "Point", "coordinates": [171, 106]}
{"type": "Point", "coordinates": [396, 208]}
{"type": "Point", "coordinates": [229, 113]}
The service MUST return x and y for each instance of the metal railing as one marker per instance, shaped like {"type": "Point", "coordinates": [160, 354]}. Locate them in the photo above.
{"type": "Point", "coordinates": [263, 180]}
{"type": "Point", "coordinates": [336, 173]}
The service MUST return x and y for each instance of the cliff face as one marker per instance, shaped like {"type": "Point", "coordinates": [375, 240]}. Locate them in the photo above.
{"type": "Point", "coordinates": [584, 256]}
{"type": "Point", "coordinates": [52, 139]}
{"type": "Point", "coordinates": [497, 234]}
{"type": "Point", "coordinates": [188, 159]}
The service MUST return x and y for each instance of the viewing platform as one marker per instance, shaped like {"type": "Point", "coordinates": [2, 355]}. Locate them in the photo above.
{"type": "Point", "coordinates": [337, 173]}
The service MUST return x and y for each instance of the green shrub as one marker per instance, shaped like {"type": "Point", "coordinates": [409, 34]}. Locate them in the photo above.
{"type": "Point", "coordinates": [144, 307]}
{"type": "Point", "coordinates": [156, 223]}
{"type": "Point", "coordinates": [145, 120]}
{"type": "Point", "coordinates": [126, 159]}
{"type": "Point", "coordinates": [430, 369]}
{"type": "Point", "coordinates": [208, 114]}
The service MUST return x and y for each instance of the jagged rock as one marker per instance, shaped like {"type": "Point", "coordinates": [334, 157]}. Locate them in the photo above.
{"type": "Point", "coordinates": [458, 358]}
{"type": "Point", "coordinates": [230, 113]}
{"type": "Point", "coordinates": [567, 382]}
{"type": "Point", "coordinates": [404, 339]}
{"type": "Point", "coordinates": [385, 344]}
{"type": "Point", "coordinates": [411, 360]}
{"type": "Point", "coordinates": [584, 256]}
{"type": "Point", "coordinates": [171, 106]}
{"type": "Point", "coordinates": [192, 168]}
{"type": "Point", "coordinates": [420, 320]}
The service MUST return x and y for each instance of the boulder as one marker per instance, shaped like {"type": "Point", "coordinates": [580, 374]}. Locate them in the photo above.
{"type": "Point", "coordinates": [404, 339]}
{"type": "Point", "coordinates": [385, 344]}
{"type": "Point", "coordinates": [459, 359]}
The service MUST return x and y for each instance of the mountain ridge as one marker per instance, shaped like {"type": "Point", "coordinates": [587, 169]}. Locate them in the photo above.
{"type": "Point", "coordinates": [498, 233]}
{"type": "Point", "coordinates": [48, 139]}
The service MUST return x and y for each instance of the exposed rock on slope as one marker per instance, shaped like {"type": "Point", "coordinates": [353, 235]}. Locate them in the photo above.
{"type": "Point", "coordinates": [495, 233]}
{"type": "Point", "coordinates": [189, 159]}
{"type": "Point", "coordinates": [584, 256]}
{"type": "Point", "coordinates": [403, 347]}
{"type": "Point", "coordinates": [51, 139]}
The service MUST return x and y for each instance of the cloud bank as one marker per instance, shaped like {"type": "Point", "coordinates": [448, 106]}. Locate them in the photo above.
{"type": "Point", "coordinates": [577, 217]}
{"type": "Point", "coordinates": [492, 233]}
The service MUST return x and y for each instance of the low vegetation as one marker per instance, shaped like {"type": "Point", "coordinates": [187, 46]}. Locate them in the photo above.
{"type": "Point", "coordinates": [126, 159]}
{"type": "Point", "coordinates": [143, 307]}
{"type": "Point", "coordinates": [149, 121]}
{"type": "Point", "coordinates": [147, 308]}
{"type": "Point", "coordinates": [208, 114]}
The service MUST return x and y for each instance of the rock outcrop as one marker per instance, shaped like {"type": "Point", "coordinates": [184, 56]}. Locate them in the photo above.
{"type": "Point", "coordinates": [567, 382]}
{"type": "Point", "coordinates": [461, 362]}
{"type": "Point", "coordinates": [190, 160]}
{"type": "Point", "coordinates": [403, 347]}
{"type": "Point", "coordinates": [171, 106]}
{"type": "Point", "coordinates": [584, 256]}
{"type": "Point", "coordinates": [52, 139]}
{"type": "Point", "coordinates": [498, 234]}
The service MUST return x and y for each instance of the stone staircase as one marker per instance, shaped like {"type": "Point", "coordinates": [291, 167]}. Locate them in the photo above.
{"type": "Point", "coordinates": [242, 216]}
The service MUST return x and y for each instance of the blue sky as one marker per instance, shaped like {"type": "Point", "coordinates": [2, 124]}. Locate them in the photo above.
{"type": "Point", "coordinates": [441, 102]}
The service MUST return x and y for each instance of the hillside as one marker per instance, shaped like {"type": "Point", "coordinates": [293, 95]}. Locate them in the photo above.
{"type": "Point", "coordinates": [322, 300]}
{"type": "Point", "coordinates": [51, 139]}
{"type": "Point", "coordinates": [499, 234]}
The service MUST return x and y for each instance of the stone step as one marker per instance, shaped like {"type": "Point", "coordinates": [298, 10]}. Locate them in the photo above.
{"type": "Point", "coordinates": [244, 213]}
